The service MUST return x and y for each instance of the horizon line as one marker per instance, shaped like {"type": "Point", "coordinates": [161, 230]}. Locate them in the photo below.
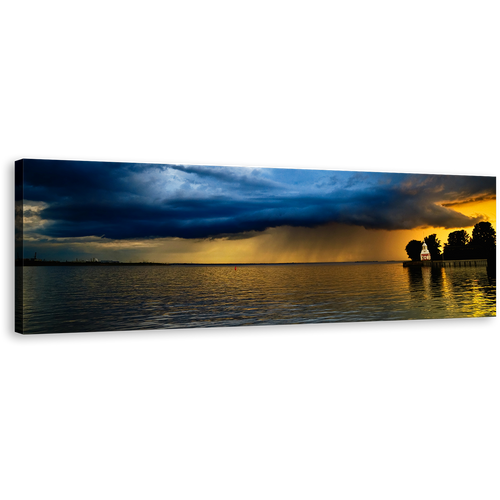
{"type": "Point", "coordinates": [210, 263]}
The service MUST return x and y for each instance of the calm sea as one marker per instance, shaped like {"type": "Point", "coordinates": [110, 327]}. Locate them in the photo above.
{"type": "Point", "coordinates": [78, 299]}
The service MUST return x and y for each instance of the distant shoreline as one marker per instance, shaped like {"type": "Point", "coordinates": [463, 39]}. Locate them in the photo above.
{"type": "Point", "coordinates": [30, 263]}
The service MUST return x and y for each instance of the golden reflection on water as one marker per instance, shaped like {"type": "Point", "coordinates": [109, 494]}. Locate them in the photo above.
{"type": "Point", "coordinates": [453, 292]}
{"type": "Point", "coordinates": [63, 299]}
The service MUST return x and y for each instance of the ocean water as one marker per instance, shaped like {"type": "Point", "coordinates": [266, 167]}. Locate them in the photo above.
{"type": "Point", "coordinates": [80, 299]}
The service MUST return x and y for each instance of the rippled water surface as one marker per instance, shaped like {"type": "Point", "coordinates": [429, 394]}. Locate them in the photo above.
{"type": "Point", "coordinates": [77, 299]}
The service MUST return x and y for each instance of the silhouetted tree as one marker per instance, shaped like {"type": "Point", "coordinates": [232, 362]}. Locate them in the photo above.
{"type": "Point", "coordinates": [413, 249]}
{"type": "Point", "coordinates": [483, 235]}
{"type": "Point", "coordinates": [484, 242]}
{"type": "Point", "coordinates": [458, 238]}
{"type": "Point", "coordinates": [456, 247]}
{"type": "Point", "coordinates": [433, 244]}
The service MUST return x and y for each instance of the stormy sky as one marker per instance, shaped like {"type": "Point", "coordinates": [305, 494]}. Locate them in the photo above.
{"type": "Point", "coordinates": [162, 212]}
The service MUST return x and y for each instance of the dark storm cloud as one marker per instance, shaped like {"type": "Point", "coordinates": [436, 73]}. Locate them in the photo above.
{"type": "Point", "coordinates": [122, 200]}
{"type": "Point", "coordinates": [392, 208]}
{"type": "Point", "coordinates": [63, 178]}
{"type": "Point", "coordinates": [185, 218]}
{"type": "Point", "coordinates": [472, 200]}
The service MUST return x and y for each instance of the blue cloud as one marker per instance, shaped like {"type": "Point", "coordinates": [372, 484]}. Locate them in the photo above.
{"type": "Point", "coordinates": [125, 200]}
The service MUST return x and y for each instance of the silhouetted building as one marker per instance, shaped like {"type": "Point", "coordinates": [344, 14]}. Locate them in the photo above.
{"type": "Point", "coordinates": [34, 259]}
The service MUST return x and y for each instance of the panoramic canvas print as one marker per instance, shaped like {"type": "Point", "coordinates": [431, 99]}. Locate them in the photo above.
{"type": "Point", "coordinates": [104, 246]}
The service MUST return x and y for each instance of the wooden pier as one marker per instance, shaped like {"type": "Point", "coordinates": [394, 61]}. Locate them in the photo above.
{"type": "Point", "coordinates": [448, 263]}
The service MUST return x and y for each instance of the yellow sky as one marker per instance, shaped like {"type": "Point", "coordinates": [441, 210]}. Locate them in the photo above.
{"type": "Point", "coordinates": [482, 208]}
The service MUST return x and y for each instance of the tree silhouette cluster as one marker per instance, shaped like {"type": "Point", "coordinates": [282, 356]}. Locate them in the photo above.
{"type": "Point", "coordinates": [414, 247]}
{"type": "Point", "coordinates": [460, 245]}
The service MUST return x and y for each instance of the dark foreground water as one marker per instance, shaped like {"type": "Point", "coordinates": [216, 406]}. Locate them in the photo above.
{"type": "Point", "coordinates": [77, 299]}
